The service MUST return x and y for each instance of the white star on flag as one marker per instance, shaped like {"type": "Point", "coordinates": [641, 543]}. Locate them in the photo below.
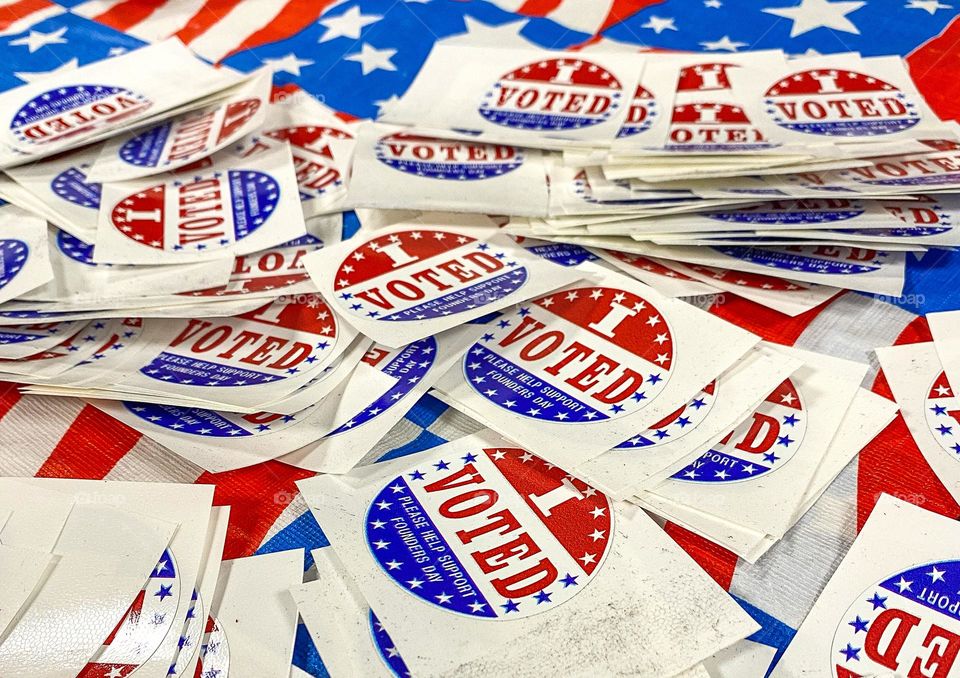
{"type": "Point", "coordinates": [723, 44]}
{"type": "Point", "coordinates": [658, 24]}
{"type": "Point", "coordinates": [291, 64]}
{"type": "Point", "coordinates": [372, 59]}
{"type": "Point", "coordinates": [930, 6]}
{"type": "Point", "coordinates": [37, 39]}
{"type": "Point", "coordinates": [346, 25]}
{"type": "Point", "coordinates": [812, 14]}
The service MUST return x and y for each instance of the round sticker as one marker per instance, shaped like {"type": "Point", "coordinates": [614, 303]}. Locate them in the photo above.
{"type": "Point", "coordinates": [189, 643]}
{"type": "Point", "coordinates": [560, 253]}
{"type": "Point", "coordinates": [144, 624]}
{"type": "Point", "coordinates": [553, 95]}
{"type": "Point", "coordinates": [184, 139]}
{"type": "Point", "coordinates": [81, 346]}
{"type": "Point", "coordinates": [270, 269]}
{"type": "Point", "coordinates": [430, 531]}
{"type": "Point", "coordinates": [386, 649]}
{"type": "Point", "coordinates": [119, 334]}
{"type": "Point", "coordinates": [318, 170]}
{"type": "Point", "coordinates": [808, 211]}
{"type": "Point", "coordinates": [905, 624]}
{"type": "Point", "coordinates": [677, 424]}
{"type": "Point", "coordinates": [71, 184]}
{"type": "Point", "coordinates": [13, 257]}
{"type": "Point", "coordinates": [408, 365]}
{"type": "Point", "coordinates": [202, 213]}
{"type": "Point", "coordinates": [424, 274]}
{"type": "Point", "coordinates": [749, 280]}
{"type": "Point", "coordinates": [70, 110]}
{"type": "Point", "coordinates": [446, 159]}
{"type": "Point", "coordinates": [24, 334]}
{"type": "Point", "coordinates": [713, 125]}
{"type": "Point", "coordinates": [214, 652]}
{"type": "Point", "coordinates": [941, 409]}
{"type": "Point", "coordinates": [837, 102]}
{"type": "Point", "coordinates": [577, 355]}
{"type": "Point", "coordinates": [824, 259]}
{"type": "Point", "coordinates": [286, 338]}
{"type": "Point", "coordinates": [764, 442]}
{"type": "Point", "coordinates": [210, 424]}
{"type": "Point", "coordinates": [641, 115]}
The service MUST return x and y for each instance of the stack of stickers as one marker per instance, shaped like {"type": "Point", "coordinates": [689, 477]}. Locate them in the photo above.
{"type": "Point", "coordinates": [121, 577]}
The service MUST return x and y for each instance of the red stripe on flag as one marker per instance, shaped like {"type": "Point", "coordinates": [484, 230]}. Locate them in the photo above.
{"type": "Point", "coordinates": [256, 495]}
{"type": "Point", "coordinates": [538, 7]}
{"type": "Point", "coordinates": [205, 19]}
{"type": "Point", "coordinates": [717, 561]}
{"type": "Point", "coordinates": [18, 10]}
{"type": "Point", "coordinates": [624, 9]}
{"type": "Point", "coordinates": [293, 18]}
{"type": "Point", "coordinates": [126, 14]}
{"type": "Point", "coordinates": [9, 396]}
{"type": "Point", "coordinates": [933, 67]}
{"type": "Point", "coordinates": [765, 322]}
{"type": "Point", "coordinates": [90, 448]}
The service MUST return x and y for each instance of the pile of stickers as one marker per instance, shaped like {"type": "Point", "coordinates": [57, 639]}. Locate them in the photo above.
{"type": "Point", "coordinates": [530, 222]}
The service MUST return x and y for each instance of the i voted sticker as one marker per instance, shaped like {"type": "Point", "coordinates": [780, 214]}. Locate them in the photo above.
{"type": "Point", "coordinates": [749, 280]}
{"type": "Point", "coordinates": [714, 126]}
{"type": "Point", "coordinates": [942, 409]}
{"type": "Point", "coordinates": [704, 77]}
{"type": "Point", "coordinates": [272, 269]}
{"type": "Point", "coordinates": [762, 443]}
{"type": "Point", "coordinates": [386, 648]}
{"type": "Point", "coordinates": [641, 114]}
{"type": "Point", "coordinates": [71, 184]}
{"type": "Point", "coordinates": [317, 157]}
{"type": "Point", "coordinates": [13, 257]}
{"type": "Point", "coordinates": [74, 110]}
{"type": "Point", "coordinates": [921, 170]}
{"type": "Point", "coordinates": [446, 159]}
{"type": "Point", "coordinates": [414, 274]}
{"type": "Point", "coordinates": [284, 338]}
{"type": "Point", "coordinates": [563, 254]}
{"type": "Point", "coordinates": [840, 103]}
{"type": "Point", "coordinates": [203, 423]}
{"type": "Point", "coordinates": [647, 265]}
{"type": "Point", "coordinates": [553, 95]}
{"type": "Point", "coordinates": [820, 259]}
{"type": "Point", "coordinates": [144, 625]}
{"type": "Point", "coordinates": [495, 534]}
{"type": "Point", "coordinates": [206, 212]}
{"type": "Point", "coordinates": [792, 212]}
{"type": "Point", "coordinates": [184, 139]}
{"type": "Point", "coordinates": [579, 355]}
{"type": "Point", "coordinates": [905, 624]}
{"type": "Point", "coordinates": [677, 424]}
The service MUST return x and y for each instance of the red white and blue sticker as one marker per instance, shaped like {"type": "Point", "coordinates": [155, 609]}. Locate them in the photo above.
{"type": "Point", "coordinates": [578, 355]}
{"type": "Point", "coordinates": [13, 257]}
{"type": "Point", "coordinates": [386, 648]}
{"type": "Point", "coordinates": [34, 335]}
{"type": "Point", "coordinates": [762, 443]}
{"type": "Point", "coordinates": [420, 274]}
{"type": "Point", "coordinates": [793, 212]}
{"type": "Point", "coordinates": [553, 95]}
{"type": "Point", "coordinates": [560, 253]}
{"type": "Point", "coordinates": [76, 249]}
{"type": "Point", "coordinates": [713, 126]}
{"type": "Point", "coordinates": [120, 333]}
{"type": "Point", "coordinates": [641, 115]}
{"type": "Point", "coordinates": [840, 103]}
{"type": "Point", "coordinates": [269, 270]}
{"type": "Point", "coordinates": [677, 424]}
{"type": "Point", "coordinates": [429, 530]}
{"type": "Point", "coordinates": [182, 140]}
{"type": "Point", "coordinates": [203, 423]}
{"type": "Point", "coordinates": [446, 159]}
{"type": "Point", "coordinates": [284, 339]}
{"type": "Point", "coordinates": [925, 216]}
{"type": "Point", "coordinates": [821, 259]}
{"type": "Point", "coordinates": [905, 624]}
{"type": "Point", "coordinates": [205, 212]}
{"type": "Point", "coordinates": [934, 169]}
{"type": "Point", "coordinates": [214, 651]}
{"type": "Point", "coordinates": [143, 626]}
{"type": "Point", "coordinates": [75, 110]}
{"type": "Point", "coordinates": [408, 365]}
{"type": "Point", "coordinates": [749, 280]}
{"type": "Point", "coordinates": [318, 158]}
{"type": "Point", "coordinates": [189, 642]}
{"type": "Point", "coordinates": [71, 184]}
{"type": "Point", "coordinates": [942, 410]}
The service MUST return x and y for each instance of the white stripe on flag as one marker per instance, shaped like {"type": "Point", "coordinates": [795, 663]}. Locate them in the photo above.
{"type": "Point", "coordinates": [31, 430]}
{"type": "Point", "coordinates": [27, 22]}
{"type": "Point", "coordinates": [509, 5]}
{"type": "Point", "coordinates": [586, 17]}
{"type": "Point", "coordinates": [150, 461]}
{"type": "Point", "coordinates": [166, 20]}
{"type": "Point", "coordinates": [93, 8]}
{"type": "Point", "coordinates": [231, 30]}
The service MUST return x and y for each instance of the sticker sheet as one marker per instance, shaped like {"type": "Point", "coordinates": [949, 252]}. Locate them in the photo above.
{"type": "Point", "coordinates": [406, 282]}
{"type": "Point", "coordinates": [657, 274]}
{"type": "Point", "coordinates": [576, 372]}
{"type": "Point", "coordinates": [889, 607]}
{"type": "Point", "coordinates": [235, 205]}
{"type": "Point", "coordinates": [186, 138]}
{"type": "Point", "coordinates": [414, 534]}
{"type": "Point", "coordinates": [24, 259]}
{"type": "Point", "coordinates": [399, 168]}
{"type": "Point", "coordinates": [20, 341]}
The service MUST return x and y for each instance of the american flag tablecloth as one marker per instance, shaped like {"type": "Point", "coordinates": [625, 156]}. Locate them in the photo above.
{"type": "Point", "coordinates": [356, 55]}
